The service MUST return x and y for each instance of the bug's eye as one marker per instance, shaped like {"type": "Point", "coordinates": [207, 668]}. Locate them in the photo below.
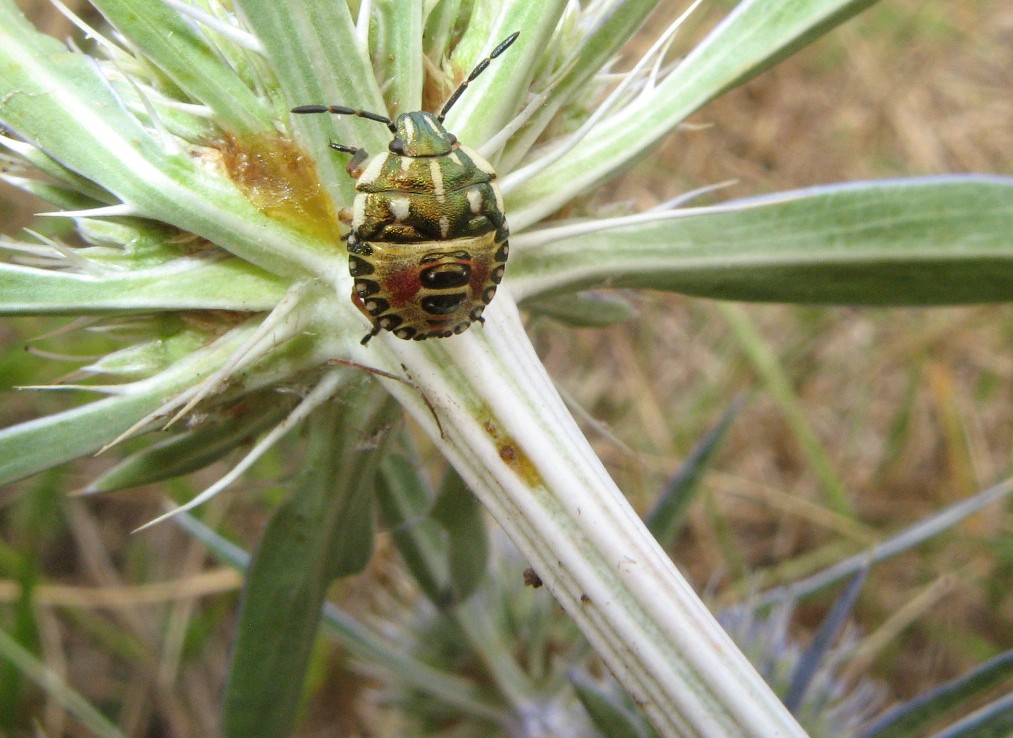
{"type": "Point", "coordinates": [396, 146]}
{"type": "Point", "coordinates": [452, 139]}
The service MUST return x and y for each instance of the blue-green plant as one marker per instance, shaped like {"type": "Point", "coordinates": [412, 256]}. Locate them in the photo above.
{"type": "Point", "coordinates": [207, 214]}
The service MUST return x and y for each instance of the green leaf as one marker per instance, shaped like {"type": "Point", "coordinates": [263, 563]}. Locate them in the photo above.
{"type": "Point", "coordinates": [610, 716]}
{"type": "Point", "coordinates": [442, 538]}
{"type": "Point", "coordinates": [441, 24]}
{"type": "Point", "coordinates": [318, 58]}
{"type": "Point", "coordinates": [916, 716]}
{"type": "Point", "coordinates": [44, 163]}
{"type": "Point", "coordinates": [187, 452]}
{"type": "Point", "coordinates": [400, 43]}
{"type": "Point", "coordinates": [462, 516]}
{"type": "Point", "coordinates": [30, 447]}
{"type": "Point", "coordinates": [754, 36]}
{"type": "Point", "coordinates": [994, 720]}
{"type": "Point", "coordinates": [603, 42]}
{"type": "Point", "coordinates": [59, 101]}
{"type": "Point", "coordinates": [63, 197]}
{"type": "Point", "coordinates": [932, 241]}
{"type": "Point", "coordinates": [591, 309]}
{"type": "Point", "coordinates": [494, 98]}
{"type": "Point", "coordinates": [903, 540]}
{"type": "Point", "coordinates": [184, 284]}
{"type": "Point", "coordinates": [43, 443]}
{"type": "Point", "coordinates": [324, 530]}
{"type": "Point", "coordinates": [767, 365]}
{"type": "Point", "coordinates": [365, 644]}
{"type": "Point", "coordinates": [173, 44]}
{"type": "Point", "coordinates": [405, 500]}
{"type": "Point", "coordinates": [669, 511]}
{"type": "Point", "coordinates": [31, 523]}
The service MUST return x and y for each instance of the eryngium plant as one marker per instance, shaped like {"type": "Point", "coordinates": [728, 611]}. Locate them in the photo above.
{"type": "Point", "coordinates": [208, 216]}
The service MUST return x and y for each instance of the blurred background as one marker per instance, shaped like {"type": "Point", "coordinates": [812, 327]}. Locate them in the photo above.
{"type": "Point", "coordinates": [908, 410]}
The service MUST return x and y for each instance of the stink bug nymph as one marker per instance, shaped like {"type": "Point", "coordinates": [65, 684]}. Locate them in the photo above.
{"type": "Point", "coordinates": [428, 238]}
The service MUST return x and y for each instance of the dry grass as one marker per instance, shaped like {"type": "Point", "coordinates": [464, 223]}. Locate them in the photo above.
{"type": "Point", "coordinates": [912, 406]}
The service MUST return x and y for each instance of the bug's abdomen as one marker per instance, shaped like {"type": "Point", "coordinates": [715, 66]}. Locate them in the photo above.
{"type": "Point", "coordinates": [427, 289]}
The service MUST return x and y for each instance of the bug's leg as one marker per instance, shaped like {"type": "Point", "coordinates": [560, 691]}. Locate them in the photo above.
{"type": "Point", "coordinates": [357, 301]}
{"type": "Point", "coordinates": [409, 382]}
{"type": "Point", "coordinates": [374, 331]}
{"type": "Point", "coordinates": [354, 165]}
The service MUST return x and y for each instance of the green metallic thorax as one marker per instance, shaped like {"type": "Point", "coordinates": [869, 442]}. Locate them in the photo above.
{"type": "Point", "coordinates": [420, 134]}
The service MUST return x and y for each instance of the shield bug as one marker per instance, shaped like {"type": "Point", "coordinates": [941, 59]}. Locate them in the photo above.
{"type": "Point", "coordinates": [428, 239]}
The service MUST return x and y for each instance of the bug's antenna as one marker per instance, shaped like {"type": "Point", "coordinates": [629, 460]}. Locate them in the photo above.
{"type": "Point", "coordinates": [503, 46]}
{"type": "Point", "coordinates": [342, 110]}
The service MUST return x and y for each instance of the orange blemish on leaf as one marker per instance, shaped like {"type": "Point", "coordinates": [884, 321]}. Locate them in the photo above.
{"type": "Point", "coordinates": [280, 180]}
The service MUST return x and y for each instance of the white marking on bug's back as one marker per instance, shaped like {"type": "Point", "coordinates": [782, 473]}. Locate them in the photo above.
{"type": "Point", "coordinates": [444, 226]}
{"type": "Point", "coordinates": [436, 174]}
{"type": "Point", "coordinates": [435, 129]}
{"type": "Point", "coordinates": [399, 207]}
{"type": "Point", "coordinates": [474, 196]}
{"type": "Point", "coordinates": [499, 197]}
{"type": "Point", "coordinates": [481, 164]}
{"type": "Point", "coordinates": [358, 211]}
{"type": "Point", "coordinates": [455, 158]}
{"type": "Point", "coordinates": [373, 169]}
{"type": "Point", "coordinates": [406, 163]}
{"type": "Point", "coordinates": [409, 128]}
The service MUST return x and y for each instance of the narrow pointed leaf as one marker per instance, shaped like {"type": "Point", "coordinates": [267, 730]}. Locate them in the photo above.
{"type": "Point", "coordinates": [916, 716]}
{"type": "Point", "coordinates": [584, 309]}
{"type": "Point", "coordinates": [459, 512]}
{"type": "Point", "coordinates": [323, 531]}
{"type": "Point", "coordinates": [932, 241]}
{"type": "Point", "coordinates": [174, 45]}
{"type": "Point", "coordinates": [815, 655]}
{"type": "Point", "coordinates": [56, 688]}
{"type": "Point", "coordinates": [58, 100]}
{"type": "Point", "coordinates": [495, 97]}
{"type": "Point", "coordinates": [610, 32]}
{"type": "Point", "coordinates": [62, 197]}
{"type": "Point", "coordinates": [319, 60]}
{"type": "Point", "coordinates": [903, 540]}
{"type": "Point", "coordinates": [405, 500]}
{"type": "Point", "coordinates": [30, 447]}
{"type": "Point", "coordinates": [186, 284]}
{"type": "Point", "coordinates": [401, 44]}
{"type": "Point", "coordinates": [669, 511]}
{"type": "Point", "coordinates": [364, 643]}
{"type": "Point", "coordinates": [994, 720]}
{"type": "Point", "coordinates": [442, 537]}
{"type": "Point", "coordinates": [187, 452]}
{"type": "Point", "coordinates": [440, 24]}
{"type": "Point", "coordinates": [610, 716]}
{"type": "Point", "coordinates": [755, 35]}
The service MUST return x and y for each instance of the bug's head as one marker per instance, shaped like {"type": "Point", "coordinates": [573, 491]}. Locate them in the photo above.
{"type": "Point", "coordinates": [421, 134]}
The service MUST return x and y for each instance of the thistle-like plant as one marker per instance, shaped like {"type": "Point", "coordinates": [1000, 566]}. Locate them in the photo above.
{"type": "Point", "coordinates": [208, 217]}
